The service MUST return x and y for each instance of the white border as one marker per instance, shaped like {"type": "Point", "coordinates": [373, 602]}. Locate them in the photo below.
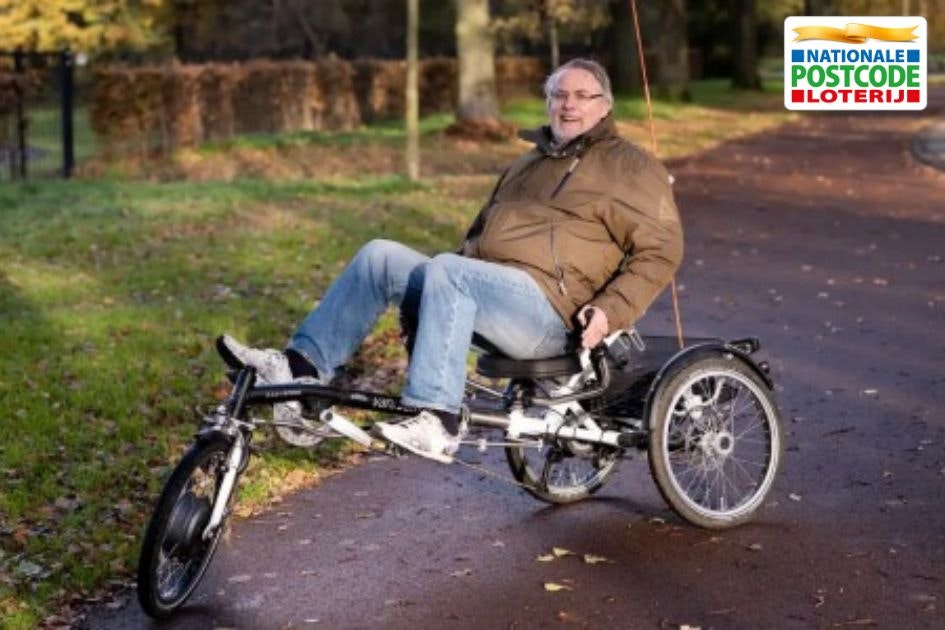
{"type": "Point", "coordinates": [892, 21]}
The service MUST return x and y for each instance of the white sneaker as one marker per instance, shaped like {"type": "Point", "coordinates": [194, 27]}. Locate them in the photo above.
{"type": "Point", "coordinates": [423, 435]}
{"type": "Point", "coordinates": [272, 368]}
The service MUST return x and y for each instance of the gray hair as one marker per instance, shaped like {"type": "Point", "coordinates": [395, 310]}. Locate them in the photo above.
{"type": "Point", "coordinates": [551, 83]}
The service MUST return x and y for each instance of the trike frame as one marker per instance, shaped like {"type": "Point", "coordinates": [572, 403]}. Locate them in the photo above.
{"type": "Point", "coordinates": [682, 411]}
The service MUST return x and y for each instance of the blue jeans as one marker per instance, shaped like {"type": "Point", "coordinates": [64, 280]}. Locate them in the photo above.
{"type": "Point", "coordinates": [457, 296]}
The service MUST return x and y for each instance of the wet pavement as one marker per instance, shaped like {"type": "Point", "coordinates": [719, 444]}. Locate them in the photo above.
{"type": "Point", "coordinates": [929, 145]}
{"type": "Point", "coordinates": [826, 239]}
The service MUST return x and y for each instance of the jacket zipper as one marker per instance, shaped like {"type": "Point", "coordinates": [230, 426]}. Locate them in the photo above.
{"type": "Point", "coordinates": [558, 270]}
{"type": "Point", "coordinates": [567, 175]}
{"type": "Point", "coordinates": [554, 252]}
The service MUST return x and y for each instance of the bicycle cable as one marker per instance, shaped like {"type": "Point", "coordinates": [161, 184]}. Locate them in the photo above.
{"type": "Point", "coordinates": [649, 111]}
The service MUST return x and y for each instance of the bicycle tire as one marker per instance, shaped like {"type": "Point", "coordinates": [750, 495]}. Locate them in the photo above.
{"type": "Point", "coordinates": [173, 530]}
{"type": "Point", "coordinates": [715, 441]}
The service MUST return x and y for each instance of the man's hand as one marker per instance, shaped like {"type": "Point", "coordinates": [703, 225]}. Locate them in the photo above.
{"type": "Point", "coordinates": [595, 326]}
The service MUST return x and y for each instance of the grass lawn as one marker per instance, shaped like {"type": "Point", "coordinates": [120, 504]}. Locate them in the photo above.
{"type": "Point", "coordinates": [112, 291]}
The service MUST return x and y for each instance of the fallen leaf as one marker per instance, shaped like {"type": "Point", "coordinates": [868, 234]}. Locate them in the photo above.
{"type": "Point", "coordinates": [755, 547]}
{"type": "Point", "coordinates": [554, 587]}
{"type": "Point", "coordinates": [560, 552]}
{"type": "Point", "coordinates": [68, 504]}
{"type": "Point", "coordinates": [592, 559]}
{"type": "Point", "coordinates": [29, 569]}
{"type": "Point", "coordinates": [548, 557]}
{"type": "Point", "coordinates": [461, 573]}
{"type": "Point", "coordinates": [794, 497]}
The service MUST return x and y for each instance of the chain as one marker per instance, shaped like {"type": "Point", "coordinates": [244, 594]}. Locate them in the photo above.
{"type": "Point", "coordinates": [488, 473]}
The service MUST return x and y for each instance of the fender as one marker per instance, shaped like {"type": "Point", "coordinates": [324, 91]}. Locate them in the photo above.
{"type": "Point", "coordinates": [716, 348]}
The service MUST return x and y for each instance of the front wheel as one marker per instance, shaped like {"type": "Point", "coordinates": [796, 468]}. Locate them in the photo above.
{"type": "Point", "coordinates": [175, 554]}
{"type": "Point", "coordinates": [715, 441]}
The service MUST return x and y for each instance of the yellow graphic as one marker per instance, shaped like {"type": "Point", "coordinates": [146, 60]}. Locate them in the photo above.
{"type": "Point", "coordinates": [856, 33]}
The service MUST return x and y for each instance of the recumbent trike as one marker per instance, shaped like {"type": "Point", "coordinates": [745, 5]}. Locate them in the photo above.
{"type": "Point", "coordinates": [705, 415]}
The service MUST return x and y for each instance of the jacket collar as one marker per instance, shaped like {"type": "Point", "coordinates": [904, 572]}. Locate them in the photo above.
{"type": "Point", "coordinates": [543, 139]}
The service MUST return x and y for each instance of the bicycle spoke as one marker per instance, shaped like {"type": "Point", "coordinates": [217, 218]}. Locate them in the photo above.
{"type": "Point", "coordinates": [716, 445]}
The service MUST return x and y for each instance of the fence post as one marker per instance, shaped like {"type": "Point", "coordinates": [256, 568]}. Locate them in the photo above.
{"type": "Point", "coordinates": [66, 93]}
{"type": "Point", "coordinates": [19, 88]}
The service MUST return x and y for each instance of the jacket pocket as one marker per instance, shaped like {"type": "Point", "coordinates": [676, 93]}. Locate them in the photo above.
{"type": "Point", "coordinates": [586, 255]}
{"type": "Point", "coordinates": [518, 232]}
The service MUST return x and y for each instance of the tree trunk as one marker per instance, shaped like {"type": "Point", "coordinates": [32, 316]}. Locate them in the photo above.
{"type": "Point", "coordinates": [310, 37]}
{"type": "Point", "coordinates": [745, 65]}
{"type": "Point", "coordinates": [624, 58]}
{"type": "Point", "coordinates": [475, 49]}
{"type": "Point", "coordinates": [673, 80]}
{"type": "Point", "coordinates": [553, 42]}
{"type": "Point", "coordinates": [412, 111]}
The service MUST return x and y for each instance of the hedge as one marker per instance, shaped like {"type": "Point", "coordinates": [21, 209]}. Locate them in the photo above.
{"type": "Point", "coordinates": [149, 110]}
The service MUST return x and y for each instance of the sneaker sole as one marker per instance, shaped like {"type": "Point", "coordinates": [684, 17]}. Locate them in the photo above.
{"type": "Point", "coordinates": [231, 360]}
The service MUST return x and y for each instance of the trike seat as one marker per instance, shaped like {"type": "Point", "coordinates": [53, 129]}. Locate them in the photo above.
{"type": "Point", "coordinates": [500, 366]}
{"type": "Point", "coordinates": [492, 363]}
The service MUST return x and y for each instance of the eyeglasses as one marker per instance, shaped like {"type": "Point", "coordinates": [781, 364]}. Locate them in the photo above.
{"type": "Point", "coordinates": [581, 98]}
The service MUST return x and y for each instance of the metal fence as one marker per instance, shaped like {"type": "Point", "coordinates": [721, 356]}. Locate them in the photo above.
{"type": "Point", "coordinates": [36, 115]}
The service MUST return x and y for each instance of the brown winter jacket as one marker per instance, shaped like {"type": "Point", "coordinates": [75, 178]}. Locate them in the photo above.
{"type": "Point", "coordinates": [593, 222]}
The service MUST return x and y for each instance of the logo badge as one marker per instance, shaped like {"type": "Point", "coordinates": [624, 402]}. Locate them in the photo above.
{"type": "Point", "coordinates": [855, 63]}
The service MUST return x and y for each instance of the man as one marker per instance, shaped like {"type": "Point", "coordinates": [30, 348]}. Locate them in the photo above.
{"type": "Point", "coordinates": [580, 230]}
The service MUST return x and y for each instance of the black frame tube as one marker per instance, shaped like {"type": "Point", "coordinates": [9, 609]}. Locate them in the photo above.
{"type": "Point", "coordinates": [372, 401]}
{"type": "Point", "coordinates": [239, 399]}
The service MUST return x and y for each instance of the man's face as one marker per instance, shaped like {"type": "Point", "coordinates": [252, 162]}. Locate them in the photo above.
{"type": "Point", "coordinates": [576, 105]}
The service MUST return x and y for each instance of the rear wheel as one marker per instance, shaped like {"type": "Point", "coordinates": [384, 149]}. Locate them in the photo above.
{"type": "Point", "coordinates": [174, 553]}
{"type": "Point", "coordinates": [715, 441]}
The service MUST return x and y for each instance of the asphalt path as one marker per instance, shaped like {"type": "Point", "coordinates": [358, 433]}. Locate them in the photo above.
{"type": "Point", "coordinates": [826, 239]}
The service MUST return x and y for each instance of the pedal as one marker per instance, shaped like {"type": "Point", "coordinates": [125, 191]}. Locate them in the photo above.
{"type": "Point", "coordinates": [341, 425]}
